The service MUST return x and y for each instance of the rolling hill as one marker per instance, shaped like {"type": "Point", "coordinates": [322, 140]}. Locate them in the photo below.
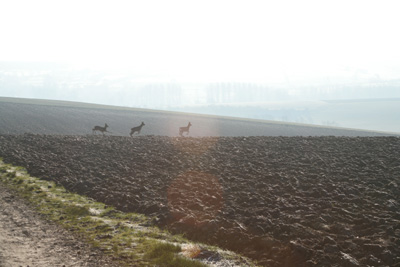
{"type": "Point", "coordinates": [19, 116]}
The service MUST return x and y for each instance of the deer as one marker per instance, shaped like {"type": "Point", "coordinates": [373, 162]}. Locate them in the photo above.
{"type": "Point", "coordinates": [184, 129]}
{"type": "Point", "coordinates": [100, 129]}
{"type": "Point", "coordinates": [137, 129]}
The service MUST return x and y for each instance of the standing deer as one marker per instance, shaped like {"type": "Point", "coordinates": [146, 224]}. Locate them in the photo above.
{"type": "Point", "coordinates": [137, 129]}
{"type": "Point", "coordinates": [100, 129]}
{"type": "Point", "coordinates": [184, 129]}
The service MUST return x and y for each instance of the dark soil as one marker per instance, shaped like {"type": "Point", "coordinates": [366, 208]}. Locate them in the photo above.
{"type": "Point", "coordinates": [284, 201]}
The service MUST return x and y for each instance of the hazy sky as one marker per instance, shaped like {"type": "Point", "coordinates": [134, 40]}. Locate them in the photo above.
{"type": "Point", "coordinates": [258, 41]}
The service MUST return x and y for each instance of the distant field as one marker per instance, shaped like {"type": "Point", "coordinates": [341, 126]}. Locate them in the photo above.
{"type": "Point", "coordinates": [378, 114]}
{"type": "Point", "coordinates": [369, 114]}
{"type": "Point", "coordinates": [18, 116]}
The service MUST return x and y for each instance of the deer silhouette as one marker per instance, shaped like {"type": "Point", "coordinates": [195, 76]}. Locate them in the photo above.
{"type": "Point", "coordinates": [184, 129]}
{"type": "Point", "coordinates": [100, 129]}
{"type": "Point", "coordinates": [137, 129]}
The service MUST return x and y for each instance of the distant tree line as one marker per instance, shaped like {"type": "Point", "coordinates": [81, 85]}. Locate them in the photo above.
{"type": "Point", "coordinates": [128, 90]}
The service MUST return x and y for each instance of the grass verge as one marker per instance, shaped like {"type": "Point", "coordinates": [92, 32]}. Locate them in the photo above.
{"type": "Point", "coordinates": [127, 237]}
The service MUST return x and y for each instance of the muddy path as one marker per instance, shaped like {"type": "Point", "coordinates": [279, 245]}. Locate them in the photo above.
{"type": "Point", "coordinates": [284, 201]}
{"type": "Point", "coordinates": [26, 239]}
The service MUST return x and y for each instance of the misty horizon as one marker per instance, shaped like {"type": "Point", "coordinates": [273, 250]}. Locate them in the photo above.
{"type": "Point", "coordinates": [60, 81]}
{"type": "Point", "coordinates": [355, 102]}
{"type": "Point", "coordinates": [209, 57]}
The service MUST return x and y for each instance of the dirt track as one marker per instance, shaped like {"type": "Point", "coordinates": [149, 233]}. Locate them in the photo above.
{"type": "Point", "coordinates": [27, 240]}
{"type": "Point", "coordinates": [285, 201]}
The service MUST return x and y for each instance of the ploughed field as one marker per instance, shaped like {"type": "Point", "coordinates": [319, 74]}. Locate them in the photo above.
{"type": "Point", "coordinates": [284, 201]}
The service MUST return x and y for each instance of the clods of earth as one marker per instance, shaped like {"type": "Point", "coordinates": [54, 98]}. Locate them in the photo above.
{"type": "Point", "coordinates": [283, 201]}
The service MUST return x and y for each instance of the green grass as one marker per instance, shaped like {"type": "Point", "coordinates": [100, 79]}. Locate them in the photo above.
{"type": "Point", "coordinates": [165, 254]}
{"type": "Point", "coordinates": [76, 211]}
{"type": "Point", "coordinates": [123, 236]}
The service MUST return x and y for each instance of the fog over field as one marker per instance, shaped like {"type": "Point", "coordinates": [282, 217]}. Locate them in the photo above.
{"type": "Point", "coordinates": [284, 61]}
{"type": "Point", "coordinates": [361, 103]}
